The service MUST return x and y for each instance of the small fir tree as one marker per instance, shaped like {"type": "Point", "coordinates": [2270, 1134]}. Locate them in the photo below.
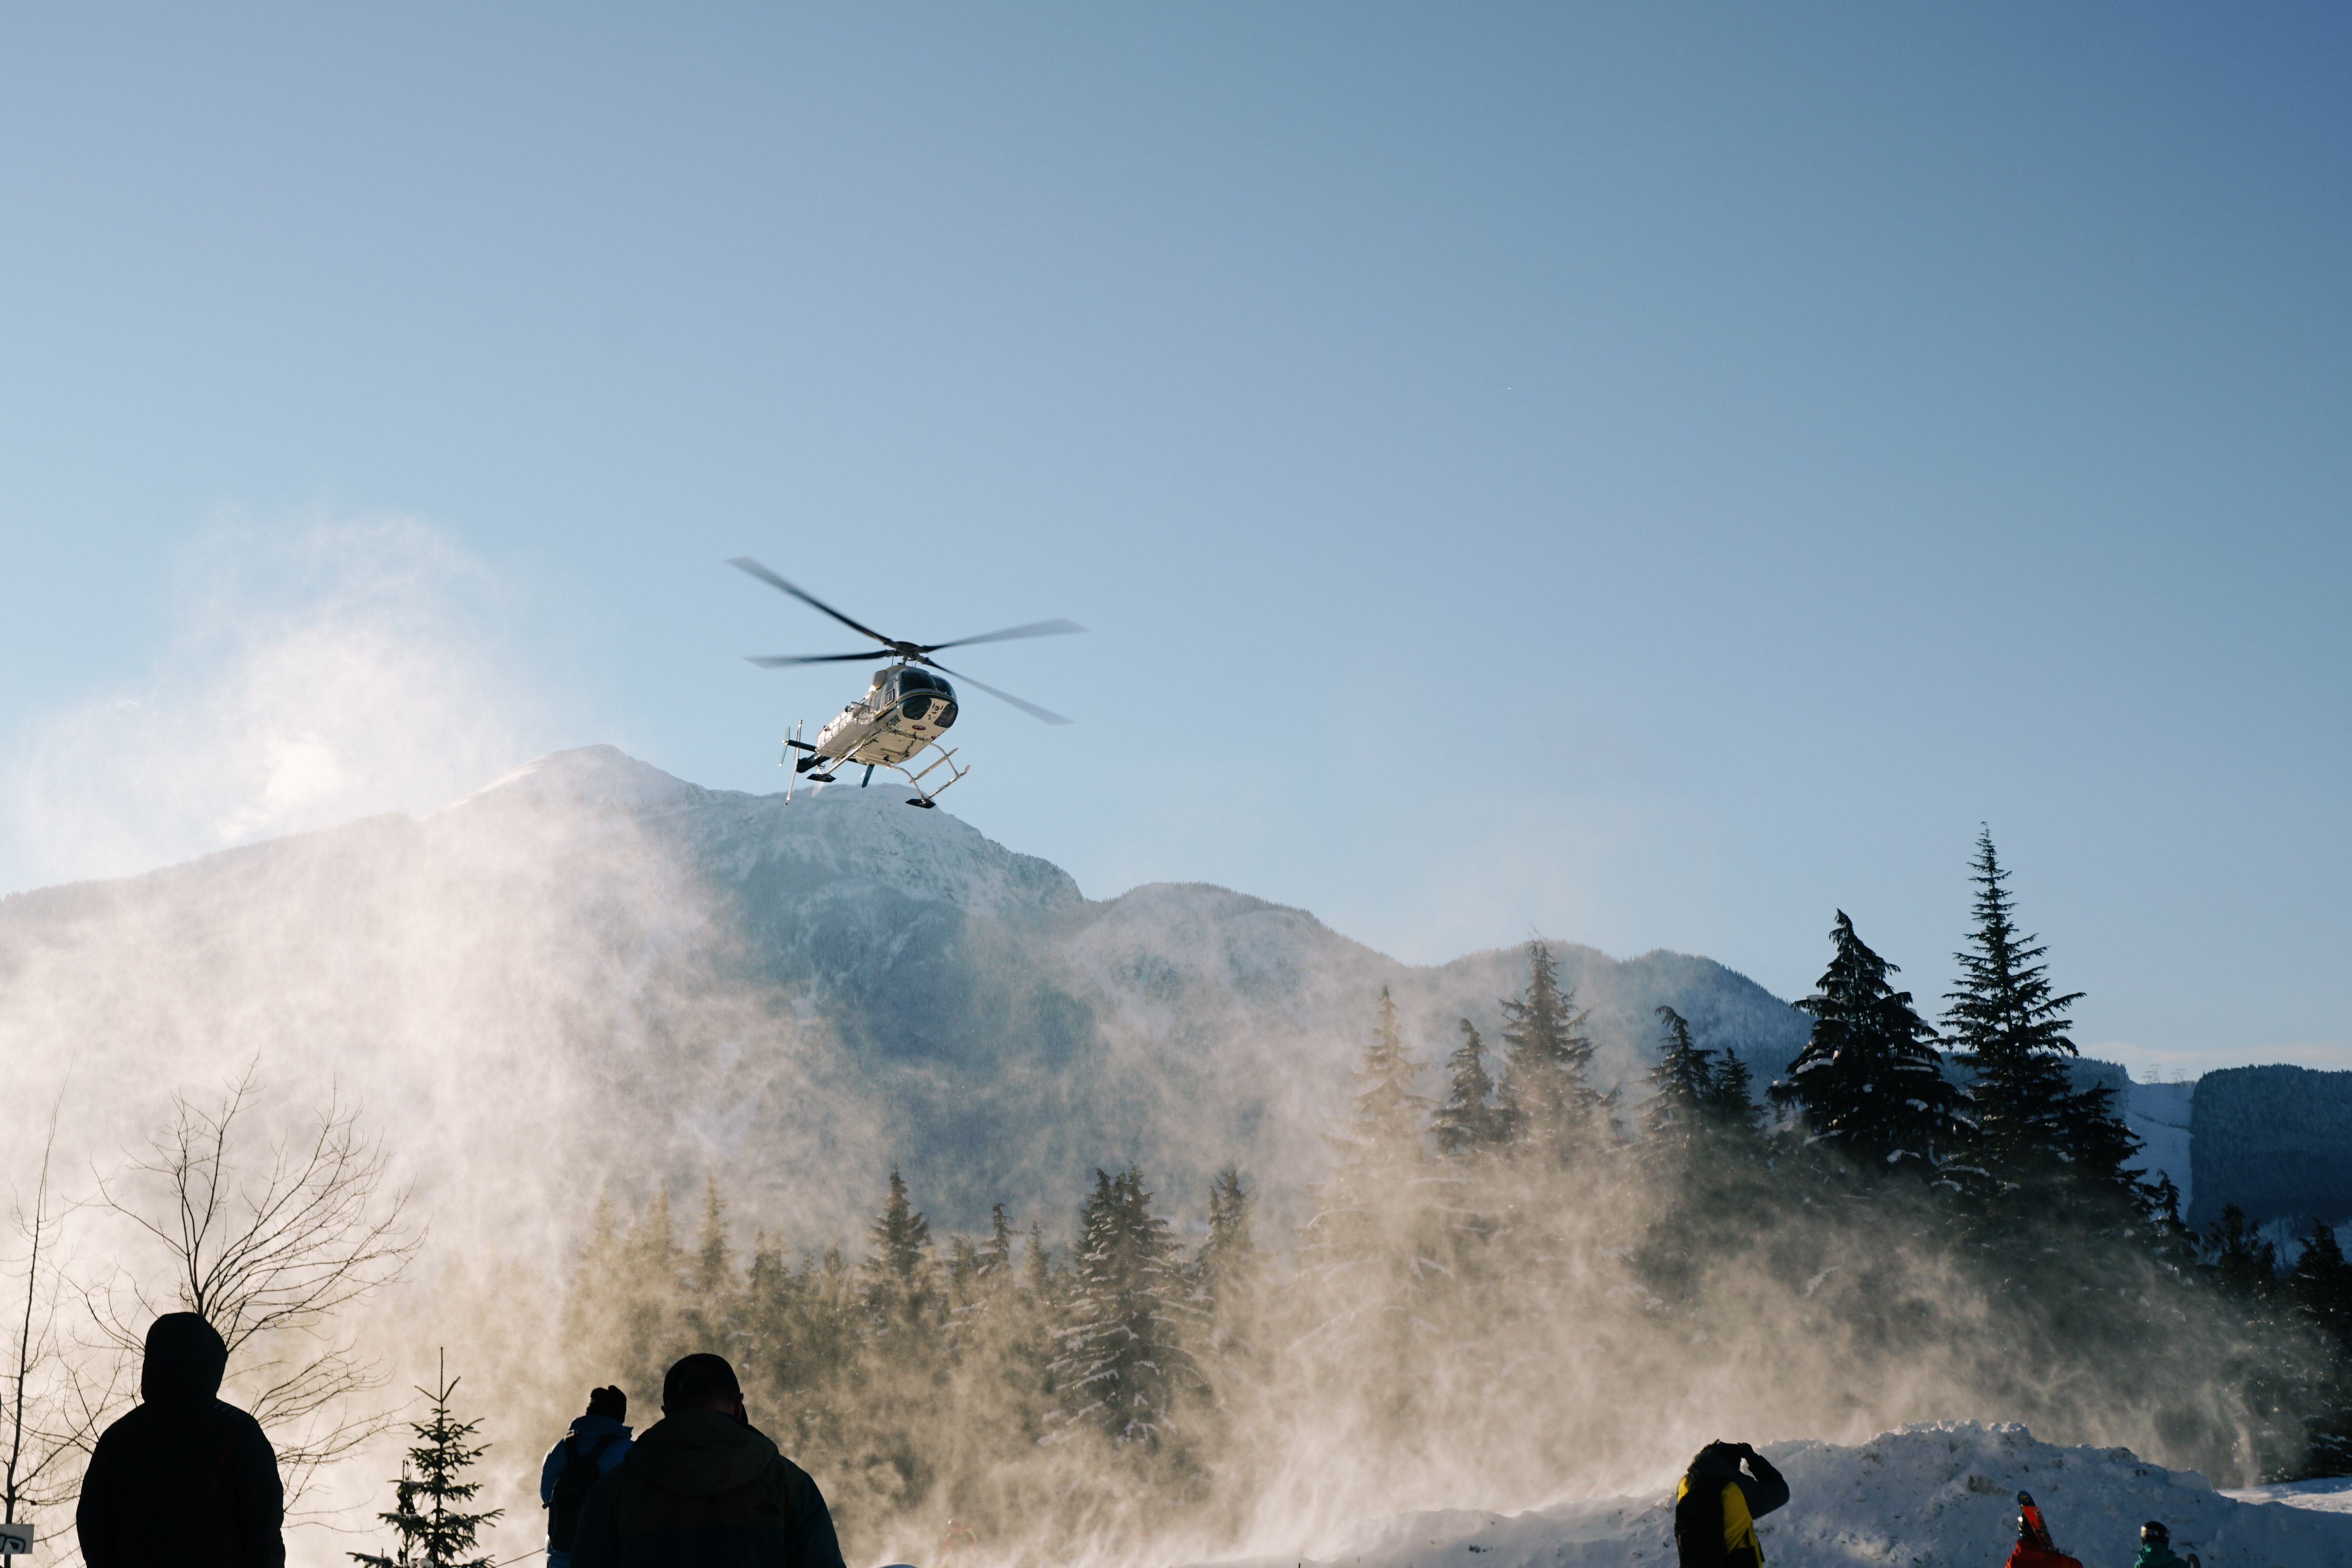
{"type": "Point", "coordinates": [1225, 1285]}
{"type": "Point", "coordinates": [1038, 1281]}
{"type": "Point", "coordinates": [897, 1272]}
{"type": "Point", "coordinates": [1729, 1102]}
{"type": "Point", "coordinates": [2321, 1286]}
{"type": "Point", "coordinates": [1227, 1266]}
{"type": "Point", "coordinates": [1870, 1081]}
{"type": "Point", "coordinates": [714, 1259]}
{"type": "Point", "coordinates": [2243, 1265]}
{"type": "Point", "coordinates": [428, 1513]}
{"type": "Point", "coordinates": [1468, 1121]}
{"type": "Point", "coordinates": [996, 1252]}
{"type": "Point", "coordinates": [1546, 1101]}
{"type": "Point", "coordinates": [1385, 1128]}
{"type": "Point", "coordinates": [1378, 1146]}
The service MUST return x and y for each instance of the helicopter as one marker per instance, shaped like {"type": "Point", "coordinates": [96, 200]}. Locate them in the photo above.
{"type": "Point", "coordinates": [906, 709]}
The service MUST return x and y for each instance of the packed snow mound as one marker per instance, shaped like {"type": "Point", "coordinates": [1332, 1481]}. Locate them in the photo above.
{"type": "Point", "coordinates": [1941, 1495]}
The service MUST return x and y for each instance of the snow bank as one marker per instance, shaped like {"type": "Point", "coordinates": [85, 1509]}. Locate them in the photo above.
{"type": "Point", "coordinates": [2333, 1495]}
{"type": "Point", "coordinates": [1942, 1496]}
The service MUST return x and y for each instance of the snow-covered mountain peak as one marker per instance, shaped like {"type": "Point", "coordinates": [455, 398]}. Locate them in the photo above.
{"type": "Point", "coordinates": [603, 778]}
{"type": "Point", "coordinates": [871, 836]}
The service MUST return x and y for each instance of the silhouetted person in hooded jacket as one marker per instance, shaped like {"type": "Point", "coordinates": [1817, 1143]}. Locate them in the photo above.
{"type": "Point", "coordinates": [1716, 1507]}
{"type": "Point", "coordinates": [185, 1478]}
{"type": "Point", "coordinates": [703, 1488]}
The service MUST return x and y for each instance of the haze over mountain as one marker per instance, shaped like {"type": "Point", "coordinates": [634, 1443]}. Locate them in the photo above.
{"type": "Point", "coordinates": [621, 975]}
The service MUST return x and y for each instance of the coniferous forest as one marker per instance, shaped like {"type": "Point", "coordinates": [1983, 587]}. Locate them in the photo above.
{"type": "Point", "coordinates": [1513, 1275]}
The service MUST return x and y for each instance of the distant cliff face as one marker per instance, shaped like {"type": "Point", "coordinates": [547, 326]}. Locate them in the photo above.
{"type": "Point", "coordinates": [2274, 1141]}
{"type": "Point", "coordinates": [592, 972]}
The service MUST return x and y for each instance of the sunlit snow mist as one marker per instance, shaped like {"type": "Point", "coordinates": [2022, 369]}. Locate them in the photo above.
{"type": "Point", "coordinates": [315, 672]}
{"type": "Point", "coordinates": [573, 986]}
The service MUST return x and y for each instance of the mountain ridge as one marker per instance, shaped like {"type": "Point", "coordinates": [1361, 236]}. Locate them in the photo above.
{"type": "Point", "coordinates": [735, 983]}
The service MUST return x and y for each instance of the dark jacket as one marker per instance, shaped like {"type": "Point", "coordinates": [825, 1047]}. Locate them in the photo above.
{"type": "Point", "coordinates": [1702, 1528]}
{"type": "Point", "coordinates": [588, 1429]}
{"type": "Point", "coordinates": [2156, 1554]}
{"type": "Point", "coordinates": [701, 1489]}
{"type": "Point", "coordinates": [184, 1479]}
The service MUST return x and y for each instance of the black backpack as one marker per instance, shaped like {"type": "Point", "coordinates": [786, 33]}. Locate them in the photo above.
{"type": "Point", "coordinates": [581, 1473]}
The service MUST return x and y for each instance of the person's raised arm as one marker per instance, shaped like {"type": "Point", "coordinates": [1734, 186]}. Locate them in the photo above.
{"type": "Point", "coordinates": [1768, 1490]}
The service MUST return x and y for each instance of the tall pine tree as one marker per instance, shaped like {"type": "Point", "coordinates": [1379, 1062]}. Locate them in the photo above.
{"type": "Point", "coordinates": [1547, 1100]}
{"type": "Point", "coordinates": [1869, 1081]}
{"type": "Point", "coordinates": [2036, 1139]}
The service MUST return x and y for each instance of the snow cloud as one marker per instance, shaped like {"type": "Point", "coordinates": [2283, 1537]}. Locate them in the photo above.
{"type": "Point", "coordinates": [318, 669]}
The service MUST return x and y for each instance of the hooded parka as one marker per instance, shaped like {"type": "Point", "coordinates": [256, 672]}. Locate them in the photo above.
{"type": "Point", "coordinates": [701, 1489]}
{"type": "Point", "coordinates": [184, 1479]}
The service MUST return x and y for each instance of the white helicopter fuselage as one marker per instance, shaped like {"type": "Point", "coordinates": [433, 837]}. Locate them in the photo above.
{"type": "Point", "coordinates": [903, 711]}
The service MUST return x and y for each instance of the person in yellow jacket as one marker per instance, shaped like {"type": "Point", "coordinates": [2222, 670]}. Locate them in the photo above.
{"type": "Point", "coordinates": [1717, 1504]}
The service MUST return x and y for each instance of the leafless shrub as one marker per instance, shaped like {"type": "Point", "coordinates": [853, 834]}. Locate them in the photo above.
{"type": "Point", "coordinates": [56, 1398]}
{"type": "Point", "coordinates": [268, 1245]}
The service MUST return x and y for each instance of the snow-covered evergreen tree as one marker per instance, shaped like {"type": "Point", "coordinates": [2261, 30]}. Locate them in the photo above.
{"type": "Point", "coordinates": [428, 1515]}
{"type": "Point", "coordinates": [1124, 1364]}
{"type": "Point", "coordinates": [1870, 1081]}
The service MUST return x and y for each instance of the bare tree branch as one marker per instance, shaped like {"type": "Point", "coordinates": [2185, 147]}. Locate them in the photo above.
{"type": "Point", "coordinates": [56, 1402]}
{"type": "Point", "coordinates": [269, 1246]}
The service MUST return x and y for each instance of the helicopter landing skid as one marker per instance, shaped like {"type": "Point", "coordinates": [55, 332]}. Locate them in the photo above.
{"type": "Point", "coordinates": [925, 797]}
{"type": "Point", "coordinates": [802, 765]}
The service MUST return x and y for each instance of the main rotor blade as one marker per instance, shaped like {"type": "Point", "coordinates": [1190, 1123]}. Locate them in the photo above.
{"type": "Point", "coordinates": [1034, 629]}
{"type": "Point", "coordinates": [1029, 708]}
{"type": "Point", "coordinates": [778, 661]}
{"type": "Point", "coordinates": [746, 565]}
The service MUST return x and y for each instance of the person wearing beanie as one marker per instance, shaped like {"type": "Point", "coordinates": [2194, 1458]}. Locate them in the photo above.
{"type": "Point", "coordinates": [584, 1455]}
{"type": "Point", "coordinates": [2156, 1548]}
{"type": "Point", "coordinates": [705, 1488]}
{"type": "Point", "coordinates": [184, 1478]}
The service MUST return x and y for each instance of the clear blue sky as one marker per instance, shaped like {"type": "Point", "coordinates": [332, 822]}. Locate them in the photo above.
{"type": "Point", "coordinates": [1653, 475]}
